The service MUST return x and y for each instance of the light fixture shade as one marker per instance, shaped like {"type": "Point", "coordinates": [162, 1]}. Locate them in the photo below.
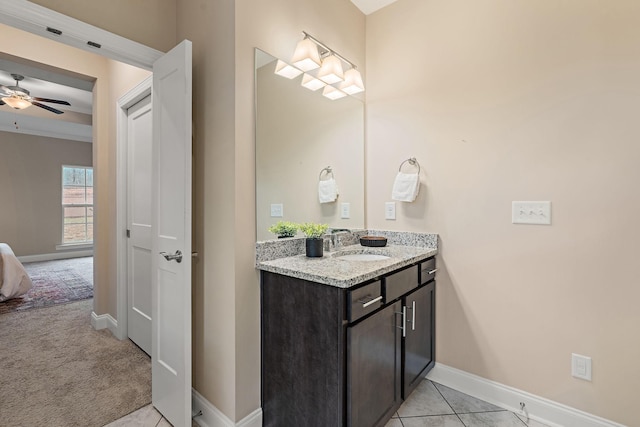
{"type": "Point", "coordinates": [352, 82]}
{"type": "Point", "coordinates": [311, 82]}
{"type": "Point", "coordinates": [285, 70]}
{"type": "Point", "coordinates": [331, 70]}
{"type": "Point", "coordinates": [332, 93]}
{"type": "Point", "coordinates": [16, 102]}
{"type": "Point", "coordinates": [306, 56]}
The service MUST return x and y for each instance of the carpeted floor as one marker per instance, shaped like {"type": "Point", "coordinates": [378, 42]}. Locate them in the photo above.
{"type": "Point", "coordinates": [56, 370]}
{"type": "Point", "coordinates": [54, 282]}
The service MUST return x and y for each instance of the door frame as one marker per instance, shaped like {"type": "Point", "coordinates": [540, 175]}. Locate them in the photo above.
{"type": "Point", "coordinates": [128, 100]}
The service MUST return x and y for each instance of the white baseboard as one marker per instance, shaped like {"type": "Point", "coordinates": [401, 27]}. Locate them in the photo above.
{"type": "Point", "coordinates": [104, 321]}
{"type": "Point", "coordinates": [537, 408]}
{"type": "Point", "coordinates": [54, 256]}
{"type": "Point", "coordinates": [213, 417]}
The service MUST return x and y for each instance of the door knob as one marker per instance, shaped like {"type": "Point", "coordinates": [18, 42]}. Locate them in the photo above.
{"type": "Point", "coordinates": [177, 257]}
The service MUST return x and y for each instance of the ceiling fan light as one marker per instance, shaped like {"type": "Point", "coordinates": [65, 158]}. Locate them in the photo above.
{"type": "Point", "coordinates": [285, 70]}
{"type": "Point", "coordinates": [306, 56]}
{"type": "Point", "coordinates": [332, 93]}
{"type": "Point", "coordinates": [331, 70]}
{"type": "Point", "coordinates": [352, 82]}
{"type": "Point", "coordinates": [311, 82]}
{"type": "Point", "coordinates": [16, 102]}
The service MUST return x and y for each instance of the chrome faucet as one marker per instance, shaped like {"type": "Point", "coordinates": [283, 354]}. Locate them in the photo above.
{"type": "Point", "coordinates": [334, 238]}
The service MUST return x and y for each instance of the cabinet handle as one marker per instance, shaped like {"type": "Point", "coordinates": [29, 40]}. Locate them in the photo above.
{"type": "Point", "coordinates": [433, 271]}
{"type": "Point", "coordinates": [413, 316]}
{"type": "Point", "coordinates": [368, 303]}
{"type": "Point", "coordinates": [404, 320]}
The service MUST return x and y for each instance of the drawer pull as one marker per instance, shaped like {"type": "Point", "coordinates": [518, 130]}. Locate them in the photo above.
{"type": "Point", "coordinates": [433, 271]}
{"type": "Point", "coordinates": [368, 303]}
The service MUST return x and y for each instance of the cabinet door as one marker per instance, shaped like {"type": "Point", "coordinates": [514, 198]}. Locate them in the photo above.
{"type": "Point", "coordinates": [419, 343]}
{"type": "Point", "coordinates": [373, 368]}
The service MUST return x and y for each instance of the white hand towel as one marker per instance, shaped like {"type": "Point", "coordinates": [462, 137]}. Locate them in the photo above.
{"type": "Point", "coordinates": [327, 191]}
{"type": "Point", "coordinates": [406, 187]}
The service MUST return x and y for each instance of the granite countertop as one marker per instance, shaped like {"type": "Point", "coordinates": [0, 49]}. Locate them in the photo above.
{"type": "Point", "coordinates": [341, 273]}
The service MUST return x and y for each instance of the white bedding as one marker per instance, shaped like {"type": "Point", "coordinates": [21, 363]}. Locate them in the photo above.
{"type": "Point", "coordinates": [14, 280]}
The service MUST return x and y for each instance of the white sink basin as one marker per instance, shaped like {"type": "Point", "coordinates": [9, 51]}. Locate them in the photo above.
{"type": "Point", "coordinates": [363, 257]}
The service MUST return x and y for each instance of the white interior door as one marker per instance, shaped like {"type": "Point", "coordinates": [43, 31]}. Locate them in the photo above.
{"type": "Point", "coordinates": [171, 204]}
{"type": "Point", "coordinates": [139, 223]}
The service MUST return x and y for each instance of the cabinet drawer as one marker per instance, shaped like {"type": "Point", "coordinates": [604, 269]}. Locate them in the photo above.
{"type": "Point", "coordinates": [401, 282]}
{"type": "Point", "coordinates": [364, 300]}
{"type": "Point", "coordinates": [427, 271]}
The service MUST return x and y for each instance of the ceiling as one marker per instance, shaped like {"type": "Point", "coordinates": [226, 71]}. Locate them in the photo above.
{"type": "Point", "coordinates": [47, 82]}
{"type": "Point", "coordinates": [369, 6]}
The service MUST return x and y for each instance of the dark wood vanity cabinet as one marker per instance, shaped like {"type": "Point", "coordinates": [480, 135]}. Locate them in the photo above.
{"type": "Point", "coordinates": [344, 357]}
{"type": "Point", "coordinates": [418, 356]}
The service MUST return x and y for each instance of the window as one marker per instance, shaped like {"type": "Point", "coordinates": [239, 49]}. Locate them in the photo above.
{"type": "Point", "coordinates": [77, 204]}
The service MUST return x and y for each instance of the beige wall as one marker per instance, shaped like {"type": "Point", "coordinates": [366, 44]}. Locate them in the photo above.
{"type": "Point", "coordinates": [299, 133]}
{"type": "Point", "coordinates": [112, 80]}
{"type": "Point", "coordinates": [31, 192]}
{"type": "Point", "coordinates": [501, 101]}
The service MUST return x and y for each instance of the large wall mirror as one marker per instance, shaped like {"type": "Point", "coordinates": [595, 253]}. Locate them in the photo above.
{"type": "Point", "coordinates": [300, 132]}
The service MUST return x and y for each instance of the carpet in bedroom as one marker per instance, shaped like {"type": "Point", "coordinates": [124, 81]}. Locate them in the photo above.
{"type": "Point", "coordinates": [54, 282]}
{"type": "Point", "coordinates": [56, 370]}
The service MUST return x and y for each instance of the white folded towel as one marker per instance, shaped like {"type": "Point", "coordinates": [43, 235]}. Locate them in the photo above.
{"type": "Point", "coordinates": [327, 190]}
{"type": "Point", "coordinates": [406, 187]}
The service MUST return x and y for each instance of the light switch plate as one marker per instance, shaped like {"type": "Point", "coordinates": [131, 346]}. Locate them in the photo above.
{"type": "Point", "coordinates": [581, 366]}
{"type": "Point", "coordinates": [390, 210]}
{"type": "Point", "coordinates": [531, 213]}
{"type": "Point", "coordinates": [345, 210]}
{"type": "Point", "coordinates": [277, 210]}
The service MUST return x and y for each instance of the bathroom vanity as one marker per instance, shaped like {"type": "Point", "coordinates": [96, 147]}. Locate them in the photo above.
{"type": "Point", "coordinates": [345, 342]}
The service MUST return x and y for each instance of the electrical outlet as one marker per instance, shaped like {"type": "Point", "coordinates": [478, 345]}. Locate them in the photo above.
{"type": "Point", "coordinates": [531, 213]}
{"type": "Point", "coordinates": [390, 210]}
{"type": "Point", "coordinates": [345, 210]}
{"type": "Point", "coordinates": [277, 210]}
{"type": "Point", "coordinates": [581, 366]}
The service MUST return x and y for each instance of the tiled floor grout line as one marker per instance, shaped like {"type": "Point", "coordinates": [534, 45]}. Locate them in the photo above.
{"type": "Point", "coordinates": [445, 399]}
{"type": "Point", "coordinates": [521, 420]}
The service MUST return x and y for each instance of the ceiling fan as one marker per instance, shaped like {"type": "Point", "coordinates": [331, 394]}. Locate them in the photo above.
{"type": "Point", "coordinates": [19, 98]}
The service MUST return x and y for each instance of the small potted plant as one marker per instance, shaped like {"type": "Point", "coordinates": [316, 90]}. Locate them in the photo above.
{"type": "Point", "coordinates": [314, 243]}
{"type": "Point", "coordinates": [284, 229]}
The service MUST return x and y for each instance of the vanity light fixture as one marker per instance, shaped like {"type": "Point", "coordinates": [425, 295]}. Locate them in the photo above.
{"type": "Point", "coordinates": [332, 93]}
{"type": "Point", "coordinates": [306, 56]}
{"type": "Point", "coordinates": [285, 70]}
{"type": "Point", "coordinates": [311, 82]}
{"type": "Point", "coordinates": [310, 54]}
{"type": "Point", "coordinates": [352, 82]}
{"type": "Point", "coordinates": [331, 70]}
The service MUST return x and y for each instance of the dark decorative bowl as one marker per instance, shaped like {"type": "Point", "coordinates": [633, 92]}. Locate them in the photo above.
{"type": "Point", "coordinates": [373, 241]}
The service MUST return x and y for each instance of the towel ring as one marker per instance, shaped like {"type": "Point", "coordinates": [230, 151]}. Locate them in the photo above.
{"type": "Point", "coordinates": [328, 170]}
{"type": "Point", "coordinates": [412, 161]}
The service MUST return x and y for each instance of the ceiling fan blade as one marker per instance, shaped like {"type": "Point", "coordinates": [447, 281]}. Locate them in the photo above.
{"type": "Point", "coordinates": [46, 107]}
{"type": "Point", "coordinates": [54, 101]}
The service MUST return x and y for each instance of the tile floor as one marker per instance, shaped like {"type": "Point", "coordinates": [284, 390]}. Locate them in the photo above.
{"type": "Point", "coordinates": [434, 405]}
{"type": "Point", "coordinates": [430, 405]}
{"type": "Point", "coordinates": [146, 416]}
